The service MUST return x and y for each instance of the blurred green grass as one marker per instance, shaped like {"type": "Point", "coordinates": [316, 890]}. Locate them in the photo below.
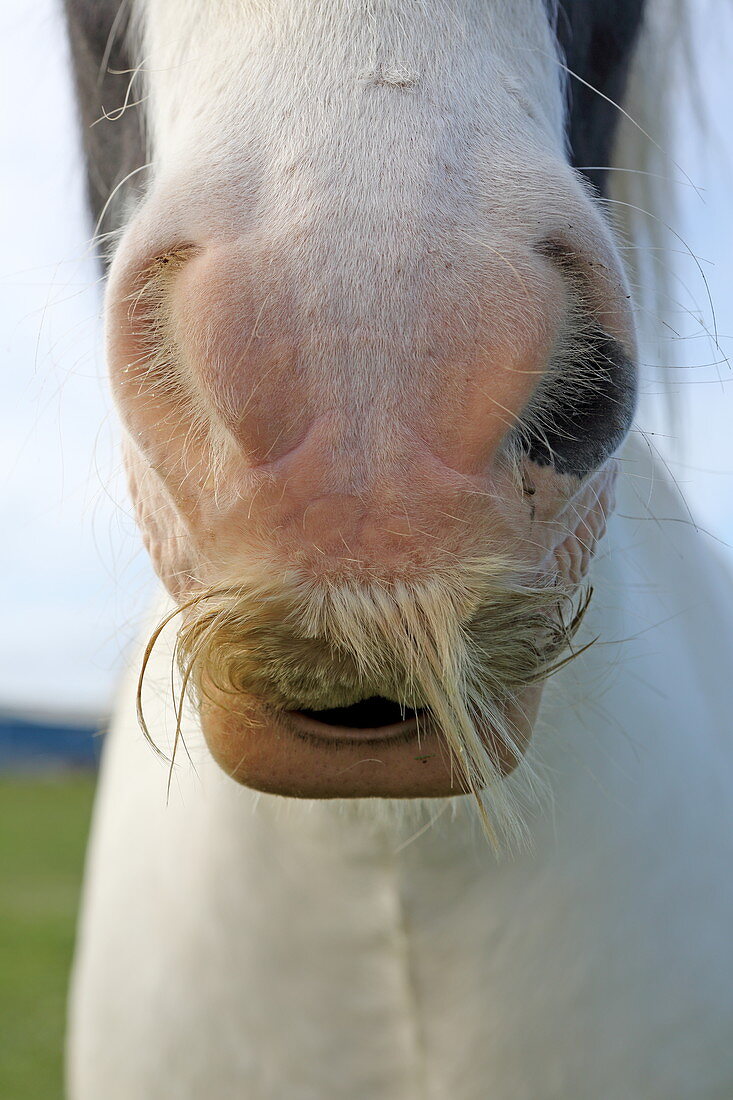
{"type": "Point", "coordinates": [43, 828]}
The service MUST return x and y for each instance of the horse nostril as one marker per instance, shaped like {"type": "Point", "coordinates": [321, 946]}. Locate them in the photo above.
{"type": "Point", "coordinates": [366, 714]}
{"type": "Point", "coordinates": [584, 403]}
{"type": "Point", "coordinates": [582, 408]}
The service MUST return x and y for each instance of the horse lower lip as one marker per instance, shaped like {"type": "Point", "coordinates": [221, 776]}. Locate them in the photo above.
{"type": "Point", "coordinates": [307, 725]}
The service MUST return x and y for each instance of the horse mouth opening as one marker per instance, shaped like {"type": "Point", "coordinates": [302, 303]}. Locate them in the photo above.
{"type": "Point", "coordinates": [375, 718]}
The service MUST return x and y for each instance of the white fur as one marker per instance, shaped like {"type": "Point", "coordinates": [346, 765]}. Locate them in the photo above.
{"type": "Point", "coordinates": [240, 945]}
{"type": "Point", "coordinates": [243, 945]}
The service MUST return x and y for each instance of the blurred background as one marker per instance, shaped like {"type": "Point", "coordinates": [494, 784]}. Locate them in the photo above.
{"type": "Point", "coordinates": [78, 582]}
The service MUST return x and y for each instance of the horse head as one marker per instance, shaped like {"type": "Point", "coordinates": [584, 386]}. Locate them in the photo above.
{"type": "Point", "coordinates": [373, 348]}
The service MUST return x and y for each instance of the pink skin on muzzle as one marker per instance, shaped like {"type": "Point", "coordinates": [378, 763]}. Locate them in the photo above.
{"type": "Point", "coordinates": [263, 414]}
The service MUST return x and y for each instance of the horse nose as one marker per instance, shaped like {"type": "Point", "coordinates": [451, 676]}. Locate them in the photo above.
{"type": "Point", "coordinates": [348, 417]}
{"type": "Point", "coordinates": [274, 367]}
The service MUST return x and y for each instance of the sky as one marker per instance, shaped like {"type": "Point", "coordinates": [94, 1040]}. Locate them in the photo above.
{"type": "Point", "coordinates": [77, 583]}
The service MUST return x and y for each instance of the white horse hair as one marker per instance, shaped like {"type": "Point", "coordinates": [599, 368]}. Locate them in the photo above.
{"type": "Point", "coordinates": [235, 943]}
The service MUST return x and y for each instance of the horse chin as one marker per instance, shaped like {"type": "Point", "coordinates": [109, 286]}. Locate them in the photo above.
{"type": "Point", "coordinates": [290, 753]}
